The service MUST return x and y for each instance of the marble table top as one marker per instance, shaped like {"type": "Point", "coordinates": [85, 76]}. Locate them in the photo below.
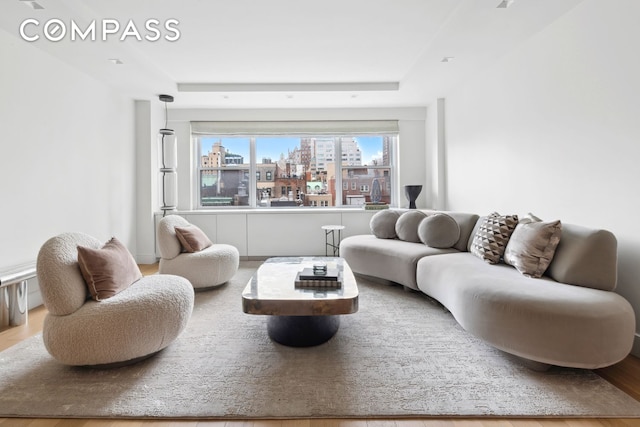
{"type": "Point", "coordinates": [272, 291]}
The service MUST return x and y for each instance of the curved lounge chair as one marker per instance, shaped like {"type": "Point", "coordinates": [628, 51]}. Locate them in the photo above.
{"type": "Point", "coordinates": [207, 268]}
{"type": "Point", "coordinates": [133, 324]}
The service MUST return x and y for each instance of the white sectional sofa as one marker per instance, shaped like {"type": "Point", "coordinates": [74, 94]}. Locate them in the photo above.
{"type": "Point", "coordinates": [568, 317]}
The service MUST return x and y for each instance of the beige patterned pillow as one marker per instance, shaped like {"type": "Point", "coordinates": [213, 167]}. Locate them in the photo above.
{"type": "Point", "coordinates": [533, 245]}
{"type": "Point", "coordinates": [492, 236]}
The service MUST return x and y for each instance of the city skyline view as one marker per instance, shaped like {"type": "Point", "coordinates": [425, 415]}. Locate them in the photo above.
{"type": "Point", "coordinates": [273, 147]}
{"type": "Point", "coordinates": [294, 171]}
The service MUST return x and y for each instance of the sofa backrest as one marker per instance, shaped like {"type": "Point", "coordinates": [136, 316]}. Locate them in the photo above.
{"type": "Point", "coordinates": [585, 257]}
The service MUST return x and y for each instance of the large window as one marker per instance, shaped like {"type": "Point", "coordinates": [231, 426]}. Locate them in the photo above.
{"type": "Point", "coordinates": [272, 165]}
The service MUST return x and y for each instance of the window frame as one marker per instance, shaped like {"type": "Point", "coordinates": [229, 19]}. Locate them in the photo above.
{"type": "Point", "coordinates": [341, 165]}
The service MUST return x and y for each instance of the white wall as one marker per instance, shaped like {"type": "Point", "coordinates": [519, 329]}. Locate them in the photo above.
{"type": "Point", "coordinates": [553, 128]}
{"type": "Point", "coordinates": [67, 157]}
{"type": "Point", "coordinates": [435, 156]}
{"type": "Point", "coordinates": [149, 118]}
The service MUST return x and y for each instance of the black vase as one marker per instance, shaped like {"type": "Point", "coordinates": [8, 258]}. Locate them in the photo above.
{"type": "Point", "coordinates": [412, 192]}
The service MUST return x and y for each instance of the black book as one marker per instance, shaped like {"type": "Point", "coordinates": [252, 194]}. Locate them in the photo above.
{"type": "Point", "coordinates": [307, 274]}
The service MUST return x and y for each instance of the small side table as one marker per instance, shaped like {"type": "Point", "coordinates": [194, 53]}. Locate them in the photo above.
{"type": "Point", "coordinates": [332, 243]}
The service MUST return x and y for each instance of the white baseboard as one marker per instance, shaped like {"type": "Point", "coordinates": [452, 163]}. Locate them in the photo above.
{"type": "Point", "coordinates": [146, 258]}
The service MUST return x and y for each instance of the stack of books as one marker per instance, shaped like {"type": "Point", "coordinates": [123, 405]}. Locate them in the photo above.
{"type": "Point", "coordinates": [370, 206]}
{"type": "Point", "coordinates": [306, 279]}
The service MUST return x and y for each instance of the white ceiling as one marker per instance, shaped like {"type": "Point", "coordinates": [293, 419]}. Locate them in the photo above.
{"type": "Point", "coordinates": [262, 47]}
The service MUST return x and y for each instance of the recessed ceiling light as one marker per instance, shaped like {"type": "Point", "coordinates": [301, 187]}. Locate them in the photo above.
{"type": "Point", "coordinates": [116, 61]}
{"type": "Point", "coordinates": [447, 59]}
{"type": "Point", "coordinates": [504, 4]}
{"type": "Point", "coordinates": [32, 4]}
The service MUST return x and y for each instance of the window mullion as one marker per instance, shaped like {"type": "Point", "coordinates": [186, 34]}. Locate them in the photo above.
{"type": "Point", "coordinates": [197, 201]}
{"type": "Point", "coordinates": [337, 158]}
{"type": "Point", "coordinates": [253, 182]}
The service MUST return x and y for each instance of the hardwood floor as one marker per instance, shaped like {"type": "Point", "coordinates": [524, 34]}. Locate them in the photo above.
{"type": "Point", "coordinates": [624, 375]}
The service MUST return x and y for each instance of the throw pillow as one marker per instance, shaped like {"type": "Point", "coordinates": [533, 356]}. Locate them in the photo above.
{"type": "Point", "coordinates": [109, 270]}
{"type": "Point", "coordinates": [439, 231]}
{"type": "Point", "coordinates": [192, 238]}
{"type": "Point", "coordinates": [492, 236]}
{"type": "Point", "coordinates": [383, 224]}
{"type": "Point", "coordinates": [532, 245]}
{"type": "Point", "coordinates": [407, 225]}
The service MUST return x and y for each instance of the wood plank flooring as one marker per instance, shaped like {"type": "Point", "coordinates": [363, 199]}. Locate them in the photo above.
{"type": "Point", "coordinates": [624, 375]}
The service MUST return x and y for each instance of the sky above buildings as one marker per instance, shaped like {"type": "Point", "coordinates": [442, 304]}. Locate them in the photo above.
{"type": "Point", "coordinates": [273, 147]}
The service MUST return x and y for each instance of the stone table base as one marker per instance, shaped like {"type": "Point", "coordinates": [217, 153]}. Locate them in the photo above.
{"type": "Point", "coordinates": [302, 331]}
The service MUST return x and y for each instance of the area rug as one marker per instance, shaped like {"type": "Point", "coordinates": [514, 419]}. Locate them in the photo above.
{"type": "Point", "coordinates": [401, 355]}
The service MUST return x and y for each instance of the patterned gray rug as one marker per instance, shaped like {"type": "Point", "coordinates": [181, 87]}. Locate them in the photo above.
{"type": "Point", "coordinates": [401, 355]}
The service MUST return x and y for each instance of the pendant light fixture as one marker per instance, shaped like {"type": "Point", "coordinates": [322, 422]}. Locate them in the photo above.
{"type": "Point", "coordinates": [168, 162]}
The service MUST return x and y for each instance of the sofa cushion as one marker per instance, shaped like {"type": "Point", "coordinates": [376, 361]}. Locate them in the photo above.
{"type": "Point", "coordinates": [383, 224]}
{"type": "Point", "coordinates": [492, 236]}
{"type": "Point", "coordinates": [389, 259]}
{"type": "Point", "coordinates": [532, 245]}
{"type": "Point", "coordinates": [407, 225]}
{"type": "Point", "coordinates": [192, 238]}
{"type": "Point", "coordinates": [108, 270]}
{"type": "Point", "coordinates": [537, 319]}
{"type": "Point", "coordinates": [467, 223]}
{"type": "Point", "coordinates": [139, 321]}
{"type": "Point", "coordinates": [439, 231]}
{"type": "Point", "coordinates": [585, 257]}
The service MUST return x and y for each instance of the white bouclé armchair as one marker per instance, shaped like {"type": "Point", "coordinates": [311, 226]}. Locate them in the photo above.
{"type": "Point", "coordinates": [137, 322]}
{"type": "Point", "coordinates": [206, 268]}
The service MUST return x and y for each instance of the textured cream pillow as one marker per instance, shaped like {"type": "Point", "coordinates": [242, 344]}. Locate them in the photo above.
{"type": "Point", "coordinates": [439, 231]}
{"type": "Point", "coordinates": [532, 245]}
{"type": "Point", "coordinates": [407, 225]}
{"type": "Point", "coordinates": [192, 238]}
{"type": "Point", "coordinates": [108, 270]}
{"type": "Point", "coordinates": [492, 236]}
{"type": "Point", "coordinates": [383, 224]}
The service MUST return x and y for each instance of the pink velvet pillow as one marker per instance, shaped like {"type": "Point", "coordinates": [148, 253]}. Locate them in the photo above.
{"type": "Point", "coordinates": [108, 270]}
{"type": "Point", "coordinates": [192, 238]}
